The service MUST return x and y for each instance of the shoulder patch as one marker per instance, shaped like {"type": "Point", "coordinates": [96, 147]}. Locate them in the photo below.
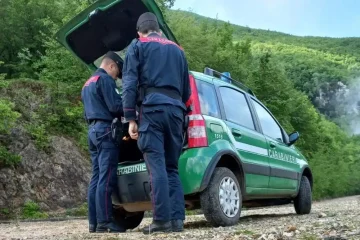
{"type": "Point", "coordinates": [158, 40]}
{"type": "Point", "coordinates": [91, 80]}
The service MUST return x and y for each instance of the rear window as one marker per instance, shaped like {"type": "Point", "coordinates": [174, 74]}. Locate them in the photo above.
{"type": "Point", "coordinates": [208, 101]}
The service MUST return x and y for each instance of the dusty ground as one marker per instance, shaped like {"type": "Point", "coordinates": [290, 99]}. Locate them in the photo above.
{"type": "Point", "coordinates": [333, 219]}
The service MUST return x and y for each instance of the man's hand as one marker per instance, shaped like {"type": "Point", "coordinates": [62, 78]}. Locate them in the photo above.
{"type": "Point", "coordinates": [133, 130]}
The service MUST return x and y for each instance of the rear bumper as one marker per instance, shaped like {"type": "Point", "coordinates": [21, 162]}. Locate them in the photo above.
{"type": "Point", "coordinates": [132, 184]}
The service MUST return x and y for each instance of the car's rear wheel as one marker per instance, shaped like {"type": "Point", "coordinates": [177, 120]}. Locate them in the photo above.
{"type": "Point", "coordinates": [221, 201]}
{"type": "Point", "coordinates": [126, 219]}
{"type": "Point", "coordinates": [303, 200]}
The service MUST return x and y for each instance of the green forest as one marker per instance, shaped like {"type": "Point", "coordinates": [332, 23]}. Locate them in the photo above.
{"type": "Point", "coordinates": [311, 84]}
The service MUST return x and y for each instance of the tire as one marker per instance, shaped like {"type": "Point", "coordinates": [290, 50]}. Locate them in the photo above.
{"type": "Point", "coordinates": [128, 220]}
{"type": "Point", "coordinates": [210, 199]}
{"type": "Point", "coordinates": [303, 200]}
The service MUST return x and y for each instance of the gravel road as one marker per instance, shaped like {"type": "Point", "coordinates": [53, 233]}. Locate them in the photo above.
{"type": "Point", "coordinates": [331, 219]}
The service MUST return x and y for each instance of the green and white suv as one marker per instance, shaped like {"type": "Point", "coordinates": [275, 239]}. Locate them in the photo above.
{"type": "Point", "coordinates": [236, 153]}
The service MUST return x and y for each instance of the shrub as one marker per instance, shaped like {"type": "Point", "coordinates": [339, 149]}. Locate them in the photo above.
{"type": "Point", "coordinates": [8, 159]}
{"type": "Point", "coordinates": [78, 212]}
{"type": "Point", "coordinates": [39, 134]}
{"type": "Point", "coordinates": [8, 117]}
{"type": "Point", "coordinates": [31, 210]}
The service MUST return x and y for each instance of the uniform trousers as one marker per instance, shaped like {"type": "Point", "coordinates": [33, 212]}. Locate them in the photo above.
{"type": "Point", "coordinates": [104, 157]}
{"type": "Point", "coordinates": [160, 140]}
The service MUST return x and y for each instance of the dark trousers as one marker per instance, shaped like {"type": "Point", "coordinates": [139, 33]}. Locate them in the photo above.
{"type": "Point", "coordinates": [104, 156]}
{"type": "Point", "coordinates": [160, 140]}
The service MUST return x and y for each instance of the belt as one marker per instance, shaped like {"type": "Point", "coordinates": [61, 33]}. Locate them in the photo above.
{"type": "Point", "coordinates": [93, 121]}
{"type": "Point", "coordinates": [168, 92]}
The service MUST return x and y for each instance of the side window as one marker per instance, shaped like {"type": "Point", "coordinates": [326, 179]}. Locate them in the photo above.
{"type": "Point", "coordinates": [236, 107]}
{"type": "Point", "coordinates": [208, 100]}
{"type": "Point", "coordinates": [268, 124]}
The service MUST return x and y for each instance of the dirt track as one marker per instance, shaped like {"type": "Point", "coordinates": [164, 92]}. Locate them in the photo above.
{"type": "Point", "coordinates": [332, 219]}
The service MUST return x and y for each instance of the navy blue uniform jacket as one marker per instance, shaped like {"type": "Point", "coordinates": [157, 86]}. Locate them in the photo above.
{"type": "Point", "coordinates": [101, 98]}
{"type": "Point", "coordinates": [154, 61]}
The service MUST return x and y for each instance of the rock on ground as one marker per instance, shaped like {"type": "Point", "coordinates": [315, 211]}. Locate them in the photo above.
{"type": "Point", "coordinates": [56, 180]}
{"type": "Point", "coordinates": [332, 219]}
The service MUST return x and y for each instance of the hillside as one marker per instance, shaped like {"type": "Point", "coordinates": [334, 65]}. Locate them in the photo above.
{"type": "Point", "coordinates": [340, 46]}
{"type": "Point", "coordinates": [326, 69]}
{"type": "Point", "coordinates": [310, 84]}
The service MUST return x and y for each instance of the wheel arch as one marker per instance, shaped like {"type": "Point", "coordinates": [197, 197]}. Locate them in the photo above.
{"type": "Point", "coordinates": [228, 159]}
{"type": "Point", "coordinates": [307, 173]}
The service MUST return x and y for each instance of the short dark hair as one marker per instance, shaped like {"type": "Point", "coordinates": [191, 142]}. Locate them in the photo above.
{"type": "Point", "coordinates": [148, 26]}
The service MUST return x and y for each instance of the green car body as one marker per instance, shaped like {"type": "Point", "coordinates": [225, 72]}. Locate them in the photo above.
{"type": "Point", "coordinates": [248, 159]}
{"type": "Point", "coordinates": [265, 171]}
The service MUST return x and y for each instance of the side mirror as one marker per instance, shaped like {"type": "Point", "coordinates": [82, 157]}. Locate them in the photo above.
{"type": "Point", "coordinates": [293, 137]}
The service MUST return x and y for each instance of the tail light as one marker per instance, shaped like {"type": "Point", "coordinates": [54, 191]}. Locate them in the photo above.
{"type": "Point", "coordinates": [196, 131]}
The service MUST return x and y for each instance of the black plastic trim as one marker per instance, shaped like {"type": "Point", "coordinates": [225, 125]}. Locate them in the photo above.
{"type": "Point", "coordinates": [212, 165]}
{"type": "Point", "coordinates": [250, 197]}
{"type": "Point", "coordinates": [257, 169]}
{"type": "Point", "coordinates": [282, 173]}
{"type": "Point", "coordinates": [302, 173]}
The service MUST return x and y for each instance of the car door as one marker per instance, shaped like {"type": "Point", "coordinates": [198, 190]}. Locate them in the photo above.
{"type": "Point", "coordinates": [250, 144]}
{"type": "Point", "coordinates": [284, 168]}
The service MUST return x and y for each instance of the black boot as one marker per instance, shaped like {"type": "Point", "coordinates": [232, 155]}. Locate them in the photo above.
{"type": "Point", "coordinates": [157, 226]}
{"type": "Point", "coordinates": [109, 227]}
{"type": "Point", "coordinates": [92, 228]}
{"type": "Point", "coordinates": [177, 225]}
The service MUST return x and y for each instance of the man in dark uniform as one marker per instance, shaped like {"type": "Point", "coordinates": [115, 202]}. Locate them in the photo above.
{"type": "Point", "coordinates": [159, 68]}
{"type": "Point", "coordinates": [102, 104]}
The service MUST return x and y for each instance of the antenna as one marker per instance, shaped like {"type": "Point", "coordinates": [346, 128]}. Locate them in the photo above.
{"type": "Point", "coordinates": [226, 78]}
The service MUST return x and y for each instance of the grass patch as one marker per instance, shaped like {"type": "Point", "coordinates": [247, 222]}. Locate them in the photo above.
{"type": "Point", "coordinates": [193, 212]}
{"type": "Point", "coordinates": [309, 237]}
{"type": "Point", "coordinates": [5, 213]}
{"type": "Point", "coordinates": [245, 232]}
{"type": "Point", "coordinates": [190, 212]}
{"type": "Point", "coordinates": [81, 211]}
{"type": "Point", "coordinates": [31, 210]}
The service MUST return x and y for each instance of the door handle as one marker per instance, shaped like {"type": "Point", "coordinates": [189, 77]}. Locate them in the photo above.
{"type": "Point", "coordinates": [272, 145]}
{"type": "Point", "coordinates": [236, 133]}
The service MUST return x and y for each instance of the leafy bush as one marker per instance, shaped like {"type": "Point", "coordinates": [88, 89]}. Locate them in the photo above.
{"type": "Point", "coordinates": [78, 212]}
{"type": "Point", "coordinates": [3, 83]}
{"type": "Point", "coordinates": [40, 135]}
{"type": "Point", "coordinates": [8, 159]}
{"type": "Point", "coordinates": [4, 212]}
{"type": "Point", "coordinates": [8, 117]}
{"type": "Point", "coordinates": [31, 210]}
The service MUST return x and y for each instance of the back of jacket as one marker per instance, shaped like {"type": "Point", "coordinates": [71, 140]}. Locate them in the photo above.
{"type": "Point", "coordinates": [101, 98]}
{"type": "Point", "coordinates": [157, 62]}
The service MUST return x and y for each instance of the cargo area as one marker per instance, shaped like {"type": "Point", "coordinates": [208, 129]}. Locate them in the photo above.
{"type": "Point", "coordinates": [132, 176]}
{"type": "Point", "coordinates": [129, 151]}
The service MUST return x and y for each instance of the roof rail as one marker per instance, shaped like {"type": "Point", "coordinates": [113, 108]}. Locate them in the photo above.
{"type": "Point", "coordinates": [223, 76]}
